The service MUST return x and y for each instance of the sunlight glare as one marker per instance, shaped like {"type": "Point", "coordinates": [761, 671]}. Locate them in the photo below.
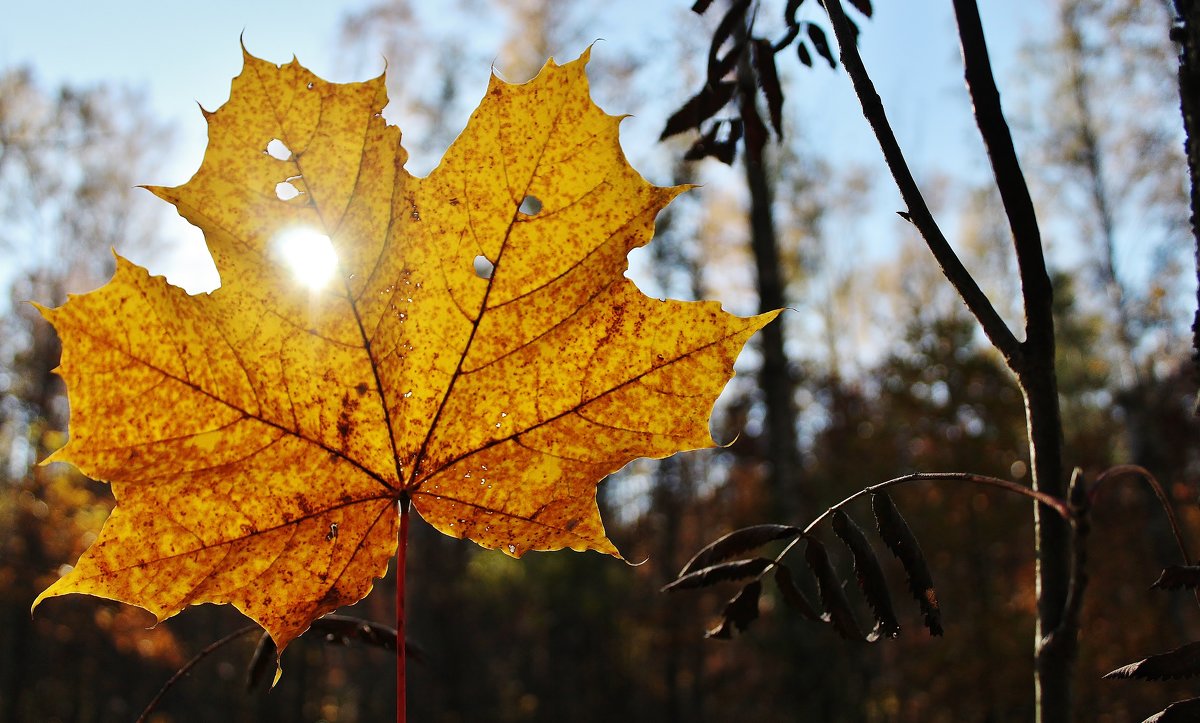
{"type": "Point", "coordinates": [309, 254]}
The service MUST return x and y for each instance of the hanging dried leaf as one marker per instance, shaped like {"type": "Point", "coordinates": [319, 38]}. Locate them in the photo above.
{"type": "Point", "coordinates": [338, 629]}
{"type": "Point", "coordinates": [870, 574]}
{"type": "Point", "coordinates": [833, 597]}
{"type": "Point", "coordinates": [345, 630]}
{"type": "Point", "coordinates": [903, 544]}
{"type": "Point", "coordinates": [699, 108]}
{"type": "Point", "coordinates": [709, 145]}
{"type": "Point", "coordinates": [863, 6]}
{"type": "Point", "coordinates": [737, 543]}
{"type": "Point", "coordinates": [739, 612]}
{"type": "Point", "coordinates": [723, 572]}
{"type": "Point", "coordinates": [791, 593]}
{"type": "Point", "coordinates": [763, 58]}
{"type": "Point", "coordinates": [805, 56]}
{"type": "Point", "coordinates": [817, 36]}
{"type": "Point", "coordinates": [1182, 662]}
{"type": "Point", "coordinates": [1184, 711]}
{"type": "Point", "coordinates": [718, 65]}
{"type": "Point", "coordinates": [1178, 576]}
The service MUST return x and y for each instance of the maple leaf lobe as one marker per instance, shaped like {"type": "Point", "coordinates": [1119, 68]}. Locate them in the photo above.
{"type": "Point", "coordinates": [258, 437]}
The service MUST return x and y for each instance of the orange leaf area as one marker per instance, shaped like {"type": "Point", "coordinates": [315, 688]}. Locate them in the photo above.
{"type": "Point", "coordinates": [258, 438]}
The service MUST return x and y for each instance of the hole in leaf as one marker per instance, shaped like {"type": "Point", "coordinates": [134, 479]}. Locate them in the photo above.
{"type": "Point", "coordinates": [286, 191]}
{"type": "Point", "coordinates": [309, 255]}
{"type": "Point", "coordinates": [530, 206]}
{"type": "Point", "coordinates": [277, 150]}
{"type": "Point", "coordinates": [483, 267]}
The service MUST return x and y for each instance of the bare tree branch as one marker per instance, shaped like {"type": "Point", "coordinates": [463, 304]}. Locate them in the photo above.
{"type": "Point", "coordinates": [1010, 181]}
{"type": "Point", "coordinates": [919, 214]}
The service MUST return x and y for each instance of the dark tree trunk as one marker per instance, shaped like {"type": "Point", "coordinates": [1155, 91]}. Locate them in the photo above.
{"type": "Point", "coordinates": [1187, 33]}
{"type": "Point", "coordinates": [775, 379]}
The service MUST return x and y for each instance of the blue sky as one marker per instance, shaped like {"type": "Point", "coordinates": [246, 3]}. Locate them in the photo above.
{"type": "Point", "coordinates": [183, 53]}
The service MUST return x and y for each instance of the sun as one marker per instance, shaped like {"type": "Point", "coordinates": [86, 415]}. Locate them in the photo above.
{"type": "Point", "coordinates": [309, 255]}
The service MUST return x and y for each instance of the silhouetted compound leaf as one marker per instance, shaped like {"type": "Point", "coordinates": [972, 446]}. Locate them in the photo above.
{"type": "Point", "coordinates": [1178, 576]}
{"type": "Point", "coordinates": [338, 629]}
{"type": "Point", "coordinates": [736, 543]}
{"type": "Point", "coordinates": [345, 630]}
{"type": "Point", "coordinates": [903, 544]}
{"type": "Point", "coordinates": [739, 612]}
{"type": "Point", "coordinates": [870, 574]}
{"type": "Point", "coordinates": [699, 108]}
{"type": "Point", "coordinates": [789, 12]}
{"type": "Point", "coordinates": [833, 597]}
{"type": "Point", "coordinates": [817, 36]}
{"type": "Point", "coordinates": [1182, 662]}
{"type": "Point", "coordinates": [709, 145]}
{"type": "Point", "coordinates": [792, 595]}
{"type": "Point", "coordinates": [805, 56]}
{"type": "Point", "coordinates": [788, 37]}
{"type": "Point", "coordinates": [1184, 711]}
{"type": "Point", "coordinates": [863, 6]}
{"type": "Point", "coordinates": [763, 57]}
{"type": "Point", "coordinates": [737, 570]}
{"type": "Point", "coordinates": [720, 65]}
{"type": "Point", "coordinates": [704, 145]}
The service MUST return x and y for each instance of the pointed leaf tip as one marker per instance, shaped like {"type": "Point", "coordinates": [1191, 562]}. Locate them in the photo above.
{"type": "Point", "coordinates": [1182, 662]}
{"type": "Point", "coordinates": [1175, 577]}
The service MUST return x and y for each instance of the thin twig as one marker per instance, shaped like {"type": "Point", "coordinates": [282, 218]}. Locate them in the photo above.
{"type": "Point", "coordinates": [1081, 500]}
{"type": "Point", "coordinates": [186, 667]}
{"type": "Point", "coordinates": [919, 214]}
{"type": "Point", "coordinates": [1133, 470]}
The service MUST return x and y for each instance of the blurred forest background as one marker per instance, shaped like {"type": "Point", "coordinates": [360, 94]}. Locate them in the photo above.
{"type": "Point", "coordinates": [885, 374]}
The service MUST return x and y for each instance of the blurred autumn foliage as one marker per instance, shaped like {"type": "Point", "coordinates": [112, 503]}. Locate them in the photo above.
{"type": "Point", "coordinates": [889, 377]}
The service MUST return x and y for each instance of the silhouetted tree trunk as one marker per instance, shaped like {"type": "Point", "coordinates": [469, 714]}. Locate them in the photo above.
{"type": "Point", "coordinates": [1055, 639]}
{"type": "Point", "coordinates": [775, 379]}
{"type": "Point", "coordinates": [1187, 33]}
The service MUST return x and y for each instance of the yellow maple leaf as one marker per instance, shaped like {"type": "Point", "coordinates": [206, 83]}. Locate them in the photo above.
{"type": "Point", "coordinates": [258, 438]}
